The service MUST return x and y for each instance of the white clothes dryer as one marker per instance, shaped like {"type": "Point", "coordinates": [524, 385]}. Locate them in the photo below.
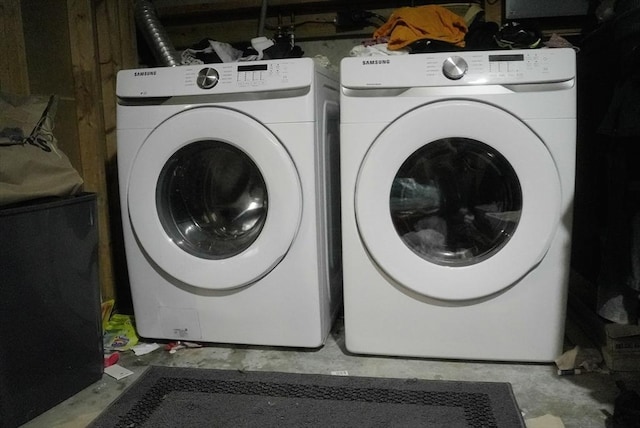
{"type": "Point", "coordinates": [457, 188]}
{"type": "Point", "coordinates": [229, 187]}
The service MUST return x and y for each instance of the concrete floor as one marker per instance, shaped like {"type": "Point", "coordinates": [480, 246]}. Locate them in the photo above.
{"type": "Point", "coordinates": [582, 401]}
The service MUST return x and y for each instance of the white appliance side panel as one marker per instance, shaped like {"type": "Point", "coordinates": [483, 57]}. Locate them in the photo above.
{"type": "Point", "coordinates": [327, 191]}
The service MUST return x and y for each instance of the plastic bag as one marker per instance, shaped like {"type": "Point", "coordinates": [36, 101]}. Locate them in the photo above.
{"type": "Point", "coordinates": [33, 167]}
{"type": "Point", "coordinates": [119, 333]}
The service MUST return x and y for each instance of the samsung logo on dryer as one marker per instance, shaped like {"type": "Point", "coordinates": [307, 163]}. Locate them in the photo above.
{"type": "Point", "coordinates": [375, 61]}
{"type": "Point", "coordinates": [144, 73]}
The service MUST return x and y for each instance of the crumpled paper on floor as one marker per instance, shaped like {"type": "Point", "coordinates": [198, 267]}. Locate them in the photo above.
{"type": "Point", "coordinates": [144, 348]}
{"type": "Point", "coordinates": [588, 359]}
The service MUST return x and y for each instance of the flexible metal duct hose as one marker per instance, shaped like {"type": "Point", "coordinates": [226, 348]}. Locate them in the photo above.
{"type": "Point", "coordinates": [263, 18]}
{"type": "Point", "coordinates": [155, 34]}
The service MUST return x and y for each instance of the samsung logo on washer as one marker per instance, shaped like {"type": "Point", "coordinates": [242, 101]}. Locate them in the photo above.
{"type": "Point", "coordinates": [144, 73]}
{"type": "Point", "coordinates": [375, 61]}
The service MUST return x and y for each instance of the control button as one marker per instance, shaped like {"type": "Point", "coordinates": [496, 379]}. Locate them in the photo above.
{"type": "Point", "coordinates": [454, 67]}
{"type": "Point", "coordinates": [207, 78]}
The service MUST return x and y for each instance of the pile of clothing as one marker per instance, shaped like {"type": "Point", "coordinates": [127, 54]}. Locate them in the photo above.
{"type": "Point", "coordinates": [434, 28]}
{"type": "Point", "coordinates": [409, 26]}
{"type": "Point", "coordinates": [209, 51]}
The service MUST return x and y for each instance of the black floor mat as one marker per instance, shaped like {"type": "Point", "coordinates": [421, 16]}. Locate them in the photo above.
{"type": "Point", "coordinates": [185, 397]}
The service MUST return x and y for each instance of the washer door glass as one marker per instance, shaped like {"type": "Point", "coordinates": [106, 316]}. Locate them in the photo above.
{"type": "Point", "coordinates": [457, 200]}
{"type": "Point", "coordinates": [214, 198]}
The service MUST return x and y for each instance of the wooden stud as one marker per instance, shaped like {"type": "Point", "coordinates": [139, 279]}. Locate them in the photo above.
{"type": "Point", "coordinates": [85, 69]}
{"type": "Point", "coordinates": [14, 74]}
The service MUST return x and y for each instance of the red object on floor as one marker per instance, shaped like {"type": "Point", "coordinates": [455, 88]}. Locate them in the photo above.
{"type": "Point", "coordinates": [110, 360]}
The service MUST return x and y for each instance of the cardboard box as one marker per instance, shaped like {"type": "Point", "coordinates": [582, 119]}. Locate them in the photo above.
{"type": "Point", "coordinates": [619, 344]}
{"type": "Point", "coordinates": [622, 339]}
{"type": "Point", "coordinates": [621, 351]}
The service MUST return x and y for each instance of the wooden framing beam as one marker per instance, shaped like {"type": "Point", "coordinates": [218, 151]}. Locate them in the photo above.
{"type": "Point", "coordinates": [14, 74]}
{"type": "Point", "coordinates": [90, 120]}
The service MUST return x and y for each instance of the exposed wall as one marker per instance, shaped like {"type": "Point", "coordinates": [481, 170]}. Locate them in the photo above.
{"type": "Point", "coordinates": [238, 21]}
{"type": "Point", "coordinates": [73, 48]}
{"type": "Point", "coordinates": [13, 77]}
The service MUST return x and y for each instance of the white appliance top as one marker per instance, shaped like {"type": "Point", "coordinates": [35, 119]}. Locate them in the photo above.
{"type": "Point", "coordinates": [223, 78]}
{"type": "Point", "coordinates": [460, 68]}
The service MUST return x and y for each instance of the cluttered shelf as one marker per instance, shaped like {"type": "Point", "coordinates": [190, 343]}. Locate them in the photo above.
{"type": "Point", "coordinates": [309, 20]}
{"type": "Point", "coordinates": [235, 22]}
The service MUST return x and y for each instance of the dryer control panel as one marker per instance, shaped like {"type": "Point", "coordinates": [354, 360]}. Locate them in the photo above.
{"type": "Point", "coordinates": [499, 66]}
{"type": "Point", "coordinates": [224, 78]}
{"type": "Point", "coordinates": [459, 69]}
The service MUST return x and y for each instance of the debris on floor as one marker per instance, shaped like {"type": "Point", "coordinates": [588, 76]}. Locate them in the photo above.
{"type": "Point", "coordinates": [546, 421]}
{"type": "Point", "coordinates": [117, 372]}
{"type": "Point", "coordinates": [119, 333]}
{"type": "Point", "coordinates": [144, 348]}
{"type": "Point", "coordinates": [578, 360]}
{"type": "Point", "coordinates": [173, 347]}
{"type": "Point", "coordinates": [111, 359]}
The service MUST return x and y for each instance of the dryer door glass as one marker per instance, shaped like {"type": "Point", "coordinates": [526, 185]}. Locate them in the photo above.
{"type": "Point", "coordinates": [211, 199]}
{"type": "Point", "coordinates": [198, 194]}
{"type": "Point", "coordinates": [455, 201]}
{"type": "Point", "coordinates": [440, 202]}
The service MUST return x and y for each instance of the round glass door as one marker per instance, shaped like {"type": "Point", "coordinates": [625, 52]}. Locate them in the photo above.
{"type": "Point", "coordinates": [214, 198]}
{"type": "Point", "coordinates": [457, 200]}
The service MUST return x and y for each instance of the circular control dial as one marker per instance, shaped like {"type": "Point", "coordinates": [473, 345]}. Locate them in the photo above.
{"type": "Point", "coordinates": [454, 67]}
{"type": "Point", "coordinates": [207, 78]}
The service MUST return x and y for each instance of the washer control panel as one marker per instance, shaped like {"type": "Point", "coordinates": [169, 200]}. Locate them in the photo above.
{"type": "Point", "coordinates": [207, 78]}
{"type": "Point", "coordinates": [223, 78]}
{"type": "Point", "coordinates": [498, 67]}
{"type": "Point", "coordinates": [247, 75]}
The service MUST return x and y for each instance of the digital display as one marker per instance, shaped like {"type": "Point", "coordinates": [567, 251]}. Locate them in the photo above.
{"type": "Point", "coordinates": [255, 67]}
{"type": "Point", "coordinates": [507, 57]}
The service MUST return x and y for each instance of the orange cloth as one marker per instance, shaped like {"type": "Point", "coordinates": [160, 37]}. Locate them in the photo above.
{"type": "Point", "coordinates": [409, 24]}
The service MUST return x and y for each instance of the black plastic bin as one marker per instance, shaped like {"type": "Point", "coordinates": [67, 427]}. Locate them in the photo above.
{"type": "Point", "coordinates": [50, 322]}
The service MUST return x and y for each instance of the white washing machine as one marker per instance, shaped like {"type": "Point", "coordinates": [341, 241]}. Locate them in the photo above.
{"type": "Point", "coordinates": [229, 186]}
{"type": "Point", "coordinates": [457, 188]}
